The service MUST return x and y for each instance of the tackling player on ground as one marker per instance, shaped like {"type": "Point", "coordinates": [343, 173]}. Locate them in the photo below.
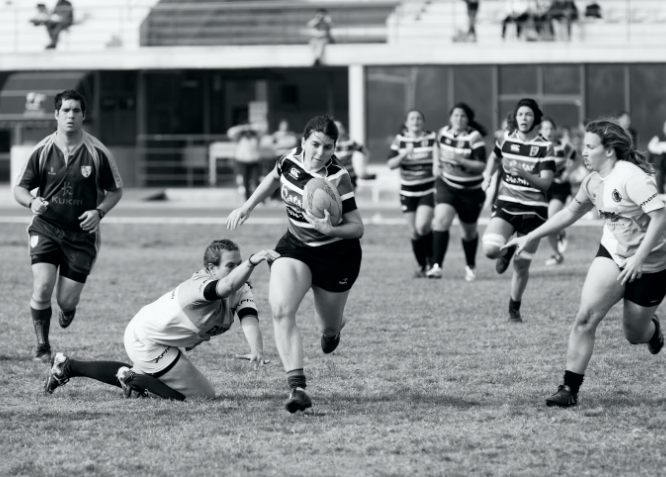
{"type": "Point", "coordinates": [459, 170]}
{"type": "Point", "coordinates": [77, 184]}
{"type": "Point", "coordinates": [528, 165]}
{"type": "Point", "coordinates": [314, 253]}
{"type": "Point", "coordinates": [413, 151]}
{"type": "Point", "coordinates": [631, 262]}
{"type": "Point", "coordinates": [201, 307]}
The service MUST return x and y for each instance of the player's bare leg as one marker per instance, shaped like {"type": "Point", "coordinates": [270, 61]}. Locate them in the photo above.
{"type": "Point", "coordinates": [68, 295]}
{"type": "Point", "coordinates": [44, 280]}
{"type": "Point", "coordinates": [521, 275]}
{"type": "Point", "coordinates": [186, 379]}
{"type": "Point", "coordinates": [554, 206]}
{"type": "Point", "coordinates": [496, 235]}
{"type": "Point", "coordinates": [290, 281]}
{"type": "Point", "coordinates": [329, 310]}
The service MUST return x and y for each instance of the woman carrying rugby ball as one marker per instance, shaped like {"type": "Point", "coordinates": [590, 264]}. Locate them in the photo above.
{"type": "Point", "coordinates": [314, 253]}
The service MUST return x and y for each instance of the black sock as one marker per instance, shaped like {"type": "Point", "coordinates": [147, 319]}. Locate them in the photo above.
{"type": "Point", "coordinates": [156, 387]}
{"type": "Point", "coordinates": [296, 378]}
{"type": "Point", "coordinates": [41, 319]}
{"type": "Point", "coordinates": [470, 246]}
{"type": "Point", "coordinates": [104, 371]}
{"type": "Point", "coordinates": [419, 252]}
{"type": "Point", "coordinates": [573, 380]}
{"type": "Point", "coordinates": [428, 247]}
{"type": "Point", "coordinates": [440, 244]}
{"type": "Point", "coordinates": [514, 305]}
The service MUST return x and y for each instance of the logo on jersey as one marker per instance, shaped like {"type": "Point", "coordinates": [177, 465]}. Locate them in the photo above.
{"type": "Point", "coordinates": [166, 350]}
{"type": "Point", "coordinates": [515, 147]}
{"type": "Point", "coordinates": [616, 196]}
{"type": "Point", "coordinates": [67, 189]}
{"type": "Point", "coordinates": [534, 150]}
{"type": "Point", "coordinates": [52, 172]}
{"type": "Point", "coordinates": [86, 170]}
{"type": "Point", "coordinates": [295, 173]}
{"type": "Point", "coordinates": [343, 281]}
{"type": "Point", "coordinates": [34, 240]}
{"type": "Point", "coordinates": [461, 144]}
{"type": "Point", "coordinates": [448, 141]}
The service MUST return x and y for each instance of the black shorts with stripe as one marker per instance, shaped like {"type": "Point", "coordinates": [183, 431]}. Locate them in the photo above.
{"type": "Point", "coordinates": [410, 204]}
{"type": "Point", "coordinates": [334, 267]}
{"type": "Point", "coordinates": [524, 219]}
{"type": "Point", "coordinates": [74, 252]}
{"type": "Point", "coordinates": [468, 203]}
{"type": "Point", "coordinates": [647, 291]}
{"type": "Point", "coordinates": [559, 191]}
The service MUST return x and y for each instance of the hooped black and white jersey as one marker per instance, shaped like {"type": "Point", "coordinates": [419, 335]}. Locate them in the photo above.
{"type": "Point", "coordinates": [469, 145]}
{"type": "Point", "coordinates": [416, 177]}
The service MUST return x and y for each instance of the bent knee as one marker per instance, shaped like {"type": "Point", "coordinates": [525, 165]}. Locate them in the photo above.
{"type": "Point", "coordinates": [492, 243]}
{"type": "Point", "coordinates": [587, 320]}
{"type": "Point", "coordinates": [282, 310]}
{"type": "Point", "coordinates": [68, 303]}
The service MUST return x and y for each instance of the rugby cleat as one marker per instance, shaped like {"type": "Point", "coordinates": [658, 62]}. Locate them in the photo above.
{"type": "Point", "coordinates": [65, 319]}
{"type": "Point", "coordinates": [43, 353]}
{"type": "Point", "coordinates": [57, 376]}
{"type": "Point", "coordinates": [124, 376]}
{"type": "Point", "coordinates": [435, 271]}
{"type": "Point", "coordinates": [555, 259]}
{"type": "Point", "coordinates": [503, 262]}
{"type": "Point", "coordinates": [421, 272]}
{"type": "Point", "coordinates": [657, 341]}
{"type": "Point", "coordinates": [297, 401]}
{"type": "Point", "coordinates": [328, 344]}
{"type": "Point", "coordinates": [470, 274]}
{"type": "Point", "coordinates": [564, 397]}
{"type": "Point", "coordinates": [514, 316]}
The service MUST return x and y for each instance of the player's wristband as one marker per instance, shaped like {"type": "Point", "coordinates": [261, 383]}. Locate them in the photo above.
{"type": "Point", "coordinates": [250, 263]}
{"type": "Point", "coordinates": [101, 213]}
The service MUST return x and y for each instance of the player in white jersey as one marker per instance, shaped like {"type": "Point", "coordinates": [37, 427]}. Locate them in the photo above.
{"type": "Point", "coordinates": [413, 152]}
{"type": "Point", "coordinates": [203, 306]}
{"type": "Point", "coordinates": [560, 189]}
{"type": "Point", "coordinates": [631, 262]}
{"type": "Point", "coordinates": [459, 170]}
{"type": "Point", "coordinates": [521, 205]}
{"type": "Point", "coordinates": [315, 254]}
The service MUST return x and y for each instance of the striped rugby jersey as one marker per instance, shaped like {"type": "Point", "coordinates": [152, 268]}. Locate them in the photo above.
{"type": "Point", "coordinates": [565, 154]}
{"type": "Point", "coordinates": [184, 318]}
{"type": "Point", "coordinates": [293, 178]}
{"type": "Point", "coordinates": [73, 182]}
{"type": "Point", "coordinates": [468, 145]}
{"type": "Point", "coordinates": [623, 198]}
{"type": "Point", "coordinates": [416, 177]}
{"type": "Point", "coordinates": [344, 151]}
{"type": "Point", "coordinates": [533, 156]}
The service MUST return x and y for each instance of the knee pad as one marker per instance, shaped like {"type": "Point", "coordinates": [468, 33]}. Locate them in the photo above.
{"type": "Point", "coordinates": [496, 240]}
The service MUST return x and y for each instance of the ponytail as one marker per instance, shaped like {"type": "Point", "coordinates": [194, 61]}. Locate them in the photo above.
{"type": "Point", "coordinates": [613, 136]}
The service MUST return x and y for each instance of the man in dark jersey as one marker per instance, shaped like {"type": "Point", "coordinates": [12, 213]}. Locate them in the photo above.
{"type": "Point", "coordinates": [77, 183]}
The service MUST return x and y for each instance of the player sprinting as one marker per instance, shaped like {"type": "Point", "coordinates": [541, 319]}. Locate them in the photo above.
{"type": "Point", "coordinates": [314, 254]}
{"type": "Point", "coordinates": [631, 262]}
{"type": "Point", "coordinates": [560, 189]}
{"type": "Point", "coordinates": [77, 184]}
{"type": "Point", "coordinates": [413, 151]}
{"type": "Point", "coordinates": [528, 166]}
{"type": "Point", "coordinates": [203, 306]}
{"type": "Point", "coordinates": [459, 169]}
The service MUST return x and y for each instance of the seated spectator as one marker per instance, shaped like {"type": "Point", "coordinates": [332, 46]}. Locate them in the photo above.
{"type": "Point", "coordinates": [560, 16]}
{"type": "Point", "coordinates": [517, 13]}
{"type": "Point", "coordinates": [247, 157]}
{"type": "Point", "coordinates": [472, 10]}
{"type": "Point", "coordinates": [321, 34]}
{"type": "Point", "coordinates": [60, 19]}
{"type": "Point", "coordinates": [593, 11]}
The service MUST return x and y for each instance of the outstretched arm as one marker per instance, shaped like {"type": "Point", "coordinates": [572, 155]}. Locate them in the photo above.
{"type": "Point", "coordinates": [252, 331]}
{"type": "Point", "coordinates": [239, 275]}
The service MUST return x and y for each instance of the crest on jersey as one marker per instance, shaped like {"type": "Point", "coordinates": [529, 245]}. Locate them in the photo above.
{"type": "Point", "coordinates": [86, 170]}
{"type": "Point", "coordinates": [534, 150]}
{"type": "Point", "coordinates": [295, 173]}
{"type": "Point", "coordinates": [34, 240]}
{"type": "Point", "coordinates": [616, 196]}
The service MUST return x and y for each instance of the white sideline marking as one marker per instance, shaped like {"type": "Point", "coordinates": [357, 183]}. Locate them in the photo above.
{"type": "Point", "coordinates": [374, 220]}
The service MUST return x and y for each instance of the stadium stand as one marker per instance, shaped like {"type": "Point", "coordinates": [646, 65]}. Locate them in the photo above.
{"type": "Point", "coordinates": [201, 23]}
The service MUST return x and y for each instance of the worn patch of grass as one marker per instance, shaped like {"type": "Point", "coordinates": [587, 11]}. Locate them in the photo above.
{"type": "Point", "coordinates": [429, 379]}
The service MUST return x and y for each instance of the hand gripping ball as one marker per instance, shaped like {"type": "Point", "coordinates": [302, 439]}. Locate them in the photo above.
{"type": "Point", "coordinates": [320, 195]}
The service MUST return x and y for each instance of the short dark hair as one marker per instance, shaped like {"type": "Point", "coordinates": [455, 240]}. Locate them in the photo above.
{"type": "Point", "coordinates": [70, 94]}
{"type": "Point", "coordinates": [323, 124]}
{"type": "Point", "coordinates": [213, 253]}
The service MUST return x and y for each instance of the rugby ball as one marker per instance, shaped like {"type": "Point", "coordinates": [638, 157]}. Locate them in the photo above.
{"type": "Point", "coordinates": [320, 195]}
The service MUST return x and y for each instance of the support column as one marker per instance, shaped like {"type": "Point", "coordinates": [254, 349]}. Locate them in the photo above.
{"type": "Point", "coordinates": [356, 126]}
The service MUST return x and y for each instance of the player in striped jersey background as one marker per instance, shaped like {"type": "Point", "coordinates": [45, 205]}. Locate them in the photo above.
{"type": "Point", "coordinates": [526, 158]}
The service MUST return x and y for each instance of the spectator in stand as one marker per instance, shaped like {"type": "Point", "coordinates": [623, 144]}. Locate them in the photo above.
{"type": "Point", "coordinates": [321, 26]}
{"type": "Point", "coordinates": [624, 120]}
{"type": "Point", "coordinates": [247, 157]}
{"type": "Point", "coordinates": [518, 13]}
{"type": "Point", "coordinates": [472, 10]}
{"type": "Point", "coordinates": [657, 157]}
{"type": "Point", "coordinates": [61, 18]}
{"type": "Point", "coordinates": [560, 16]}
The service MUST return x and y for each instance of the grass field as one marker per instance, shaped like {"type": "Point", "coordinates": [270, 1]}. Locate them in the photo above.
{"type": "Point", "coordinates": [429, 378]}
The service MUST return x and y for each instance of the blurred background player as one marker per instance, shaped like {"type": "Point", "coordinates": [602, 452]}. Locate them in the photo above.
{"type": "Point", "coordinates": [624, 119]}
{"type": "Point", "coordinates": [521, 206]}
{"type": "Point", "coordinates": [60, 19]}
{"type": "Point", "coordinates": [413, 152]}
{"type": "Point", "coordinates": [346, 150]}
{"type": "Point", "coordinates": [631, 262]}
{"type": "Point", "coordinates": [560, 189]}
{"type": "Point", "coordinates": [70, 170]}
{"type": "Point", "coordinates": [657, 157]}
{"type": "Point", "coordinates": [201, 307]}
{"type": "Point", "coordinates": [314, 253]}
{"type": "Point", "coordinates": [247, 156]}
{"type": "Point", "coordinates": [320, 27]}
{"type": "Point", "coordinates": [459, 170]}
{"type": "Point", "coordinates": [284, 140]}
